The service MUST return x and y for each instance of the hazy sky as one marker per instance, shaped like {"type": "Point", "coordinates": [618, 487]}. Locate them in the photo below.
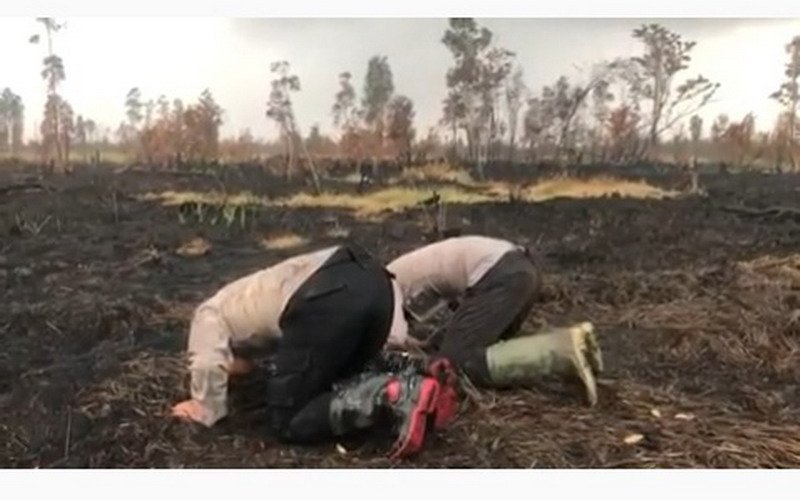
{"type": "Point", "coordinates": [179, 57]}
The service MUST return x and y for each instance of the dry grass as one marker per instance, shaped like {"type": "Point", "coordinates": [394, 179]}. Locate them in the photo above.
{"type": "Point", "coordinates": [526, 429]}
{"type": "Point", "coordinates": [283, 241]}
{"type": "Point", "coordinates": [437, 172]}
{"type": "Point", "coordinates": [176, 198]}
{"type": "Point", "coordinates": [596, 187]}
{"type": "Point", "coordinates": [338, 232]}
{"type": "Point", "coordinates": [755, 320]}
{"type": "Point", "coordinates": [391, 199]}
{"type": "Point", "coordinates": [398, 198]}
{"type": "Point", "coordinates": [773, 271]}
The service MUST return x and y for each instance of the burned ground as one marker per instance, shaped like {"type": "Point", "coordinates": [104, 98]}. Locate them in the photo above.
{"type": "Point", "coordinates": [697, 308]}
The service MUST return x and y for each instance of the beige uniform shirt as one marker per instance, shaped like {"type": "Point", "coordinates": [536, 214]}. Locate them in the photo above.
{"type": "Point", "coordinates": [446, 269]}
{"type": "Point", "coordinates": [245, 310]}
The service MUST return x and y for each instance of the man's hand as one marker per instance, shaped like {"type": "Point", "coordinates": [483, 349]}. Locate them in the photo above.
{"type": "Point", "coordinates": [192, 411]}
{"type": "Point", "coordinates": [240, 367]}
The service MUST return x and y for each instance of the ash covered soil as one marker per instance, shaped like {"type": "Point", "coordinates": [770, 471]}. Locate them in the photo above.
{"type": "Point", "coordinates": [697, 309]}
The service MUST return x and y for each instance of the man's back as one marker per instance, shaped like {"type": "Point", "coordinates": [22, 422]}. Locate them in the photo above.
{"type": "Point", "coordinates": [252, 305]}
{"type": "Point", "coordinates": [447, 268]}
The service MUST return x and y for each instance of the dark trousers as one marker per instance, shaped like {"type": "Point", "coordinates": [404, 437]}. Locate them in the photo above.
{"type": "Point", "coordinates": [491, 310]}
{"type": "Point", "coordinates": [336, 322]}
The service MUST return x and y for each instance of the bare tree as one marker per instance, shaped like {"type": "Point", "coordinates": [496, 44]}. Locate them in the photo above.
{"type": "Point", "coordinates": [537, 121]}
{"type": "Point", "coordinates": [516, 92]}
{"type": "Point", "coordinates": [53, 74]}
{"type": "Point", "coordinates": [468, 44]}
{"type": "Point", "coordinates": [55, 127]}
{"type": "Point", "coordinates": [789, 95]}
{"type": "Point", "coordinates": [718, 127]}
{"type": "Point", "coordinates": [563, 101]}
{"type": "Point", "coordinates": [12, 114]}
{"type": "Point", "coordinates": [280, 110]}
{"type": "Point", "coordinates": [133, 105]}
{"type": "Point", "coordinates": [696, 130]}
{"type": "Point", "coordinates": [211, 114]}
{"type": "Point", "coordinates": [474, 83]}
{"type": "Point", "coordinates": [453, 117]}
{"type": "Point", "coordinates": [80, 135]}
{"type": "Point", "coordinates": [378, 90]}
{"type": "Point", "coordinates": [495, 70]}
{"type": "Point", "coordinates": [601, 99]}
{"type": "Point", "coordinates": [780, 138]}
{"type": "Point", "coordinates": [739, 139]}
{"type": "Point", "coordinates": [665, 56]}
{"type": "Point", "coordinates": [177, 130]}
{"type": "Point", "coordinates": [622, 128]}
{"type": "Point", "coordinates": [67, 130]}
{"type": "Point", "coordinates": [347, 116]}
{"type": "Point", "coordinates": [130, 134]}
{"type": "Point", "coordinates": [400, 130]}
{"type": "Point", "coordinates": [345, 112]}
{"type": "Point", "coordinates": [90, 127]}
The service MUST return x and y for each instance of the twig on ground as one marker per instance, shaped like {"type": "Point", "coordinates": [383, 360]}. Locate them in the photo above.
{"type": "Point", "coordinates": [69, 433]}
{"type": "Point", "coordinates": [22, 187]}
{"type": "Point", "coordinates": [776, 211]}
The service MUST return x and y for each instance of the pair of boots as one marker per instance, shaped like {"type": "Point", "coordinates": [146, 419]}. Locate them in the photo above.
{"type": "Point", "coordinates": [559, 352]}
{"type": "Point", "coordinates": [414, 400]}
{"type": "Point", "coordinates": [420, 396]}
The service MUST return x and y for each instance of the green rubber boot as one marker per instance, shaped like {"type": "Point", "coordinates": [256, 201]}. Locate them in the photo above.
{"type": "Point", "coordinates": [562, 352]}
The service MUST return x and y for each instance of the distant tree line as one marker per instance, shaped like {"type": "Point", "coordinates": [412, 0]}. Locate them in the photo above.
{"type": "Point", "coordinates": [617, 111]}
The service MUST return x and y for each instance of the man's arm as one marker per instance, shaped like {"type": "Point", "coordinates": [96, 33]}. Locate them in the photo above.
{"type": "Point", "coordinates": [211, 363]}
{"type": "Point", "coordinates": [209, 402]}
{"type": "Point", "coordinates": [425, 307]}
